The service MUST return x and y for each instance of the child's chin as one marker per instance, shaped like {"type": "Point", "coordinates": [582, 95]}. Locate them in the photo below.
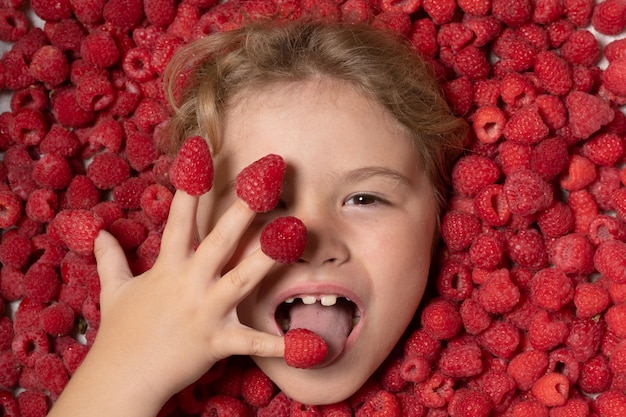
{"type": "Point", "coordinates": [319, 386]}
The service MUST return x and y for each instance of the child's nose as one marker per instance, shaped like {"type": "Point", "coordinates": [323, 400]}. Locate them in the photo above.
{"type": "Point", "coordinates": [325, 245]}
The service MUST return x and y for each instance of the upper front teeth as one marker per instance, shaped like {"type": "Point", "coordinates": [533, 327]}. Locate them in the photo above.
{"type": "Point", "coordinates": [325, 300]}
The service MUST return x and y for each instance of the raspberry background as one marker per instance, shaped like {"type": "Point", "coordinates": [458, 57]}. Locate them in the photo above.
{"type": "Point", "coordinates": [527, 310]}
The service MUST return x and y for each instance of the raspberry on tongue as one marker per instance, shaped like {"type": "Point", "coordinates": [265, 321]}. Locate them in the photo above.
{"type": "Point", "coordinates": [332, 323]}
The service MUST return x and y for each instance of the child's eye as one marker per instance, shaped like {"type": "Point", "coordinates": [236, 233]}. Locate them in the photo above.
{"type": "Point", "coordinates": [364, 200]}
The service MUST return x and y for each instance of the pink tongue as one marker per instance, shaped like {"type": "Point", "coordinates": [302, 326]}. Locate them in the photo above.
{"type": "Point", "coordinates": [333, 323]}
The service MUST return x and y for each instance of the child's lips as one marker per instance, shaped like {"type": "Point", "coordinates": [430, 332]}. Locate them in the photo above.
{"type": "Point", "coordinates": [334, 313]}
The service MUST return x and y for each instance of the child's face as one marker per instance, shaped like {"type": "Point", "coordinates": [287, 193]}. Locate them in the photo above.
{"type": "Point", "coordinates": [355, 181]}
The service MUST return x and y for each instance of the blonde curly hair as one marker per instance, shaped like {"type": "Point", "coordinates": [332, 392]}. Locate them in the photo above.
{"type": "Point", "coordinates": [211, 73]}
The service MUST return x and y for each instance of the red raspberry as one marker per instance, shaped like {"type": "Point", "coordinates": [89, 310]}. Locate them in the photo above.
{"type": "Point", "coordinates": [423, 37]}
{"type": "Point", "coordinates": [590, 299]}
{"type": "Point", "coordinates": [454, 35]}
{"type": "Point", "coordinates": [555, 220]}
{"type": "Point", "coordinates": [52, 10]}
{"type": "Point", "coordinates": [94, 92]}
{"type": "Point", "coordinates": [527, 193]}
{"type": "Point", "coordinates": [572, 253]}
{"type": "Point", "coordinates": [527, 248]}
{"type": "Point", "coordinates": [581, 48]}
{"type": "Point", "coordinates": [461, 360]}
{"type": "Point", "coordinates": [613, 77]}
{"type": "Point", "coordinates": [472, 62]}
{"type": "Point", "coordinates": [513, 157]}
{"type": "Point", "coordinates": [549, 157]}
{"type": "Point", "coordinates": [60, 141]}
{"type": "Point", "coordinates": [498, 294]}
{"type": "Point", "coordinates": [469, 403]}
{"type": "Point", "coordinates": [279, 406]}
{"type": "Point", "coordinates": [475, 7]}
{"type": "Point", "coordinates": [13, 24]}
{"type": "Point", "coordinates": [10, 371]}
{"type": "Point", "coordinates": [580, 173]}
{"type": "Point", "coordinates": [526, 126]}
{"type": "Point", "coordinates": [458, 229]}
{"type": "Point", "coordinates": [546, 11]}
{"type": "Point", "coordinates": [256, 389]}
{"type": "Point", "coordinates": [10, 209]}
{"type": "Point", "coordinates": [41, 283]}
{"type": "Point", "coordinates": [394, 21]}
{"type": "Point", "coordinates": [32, 403]}
{"type": "Point", "coordinates": [49, 65]}
{"type": "Point", "coordinates": [391, 378]}
{"type": "Point", "coordinates": [11, 283]}
{"type": "Point", "coordinates": [382, 403]}
{"type": "Point", "coordinates": [585, 209]}
{"type": "Point", "coordinates": [141, 151]}
{"type": "Point", "coordinates": [33, 97]}
{"type": "Point", "coordinates": [51, 373]}
{"type": "Point", "coordinates": [604, 228]}
{"type": "Point", "coordinates": [475, 318]}
{"type": "Point", "coordinates": [136, 64]}
{"type": "Point", "coordinates": [421, 343]}
{"type": "Point", "coordinates": [123, 14]}
{"type": "Point", "coordinates": [16, 73]}
{"type": "Point", "coordinates": [512, 13]}
{"type": "Point", "coordinates": [128, 193]}
{"type": "Point", "coordinates": [66, 110]}
{"type": "Point", "coordinates": [454, 281]}
{"type": "Point", "coordinates": [587, 113]}
{"type": "Point", "coordinates": [609, 17]}
{"type": "Point", "coordinates": [87, 12]}
{"type": "Point", "coordinates": [353, 11]}
{"type": "Point", "coordinates": [615, 50]}
{"type": "Point", "coordinates": [192, 168]}
{"type": "Point", "coordinates": [284, 239]}
{"type": "Point", "coordinates": [304, 348]}
{"type": "Point", "coordinates": [29, 345]}
{"type": "Point", "coordinates": [518, 91]}
{"type": "Point", "coordinates": [108, 170]}
{"type": "Point", "coordinates": [99, 49]}
{"type": "Point", "coordinates": [473, 172]}
{"type": "Point", "coordinates": [553, 72]}
{"type": "Point", "coordinates": [260, 183]}
{"type": "Point", "coordinates": [155, 202]}
{"type": "Point", "coordinates": [551, 390]}
{"type": "Point", "coordinates": [66, 35]}
{"type": "Point", "coordinates": [52, 171]}
{"type": "Point", "coordinates": [441, 319]}
{"type": "Point", "coordinates": [491, 206]}
{"type": "Point", "coordinates": [604, 149]}
{"type": "Point", "coordinates": [185, 19]}
{"type": "Point", "coordinates": [435, 392]}
{"type": "Point", "coordinates": [459, 95]}
{"type": "Point", "coordinates": [77, 229]}
{"type": "Point", "coordinates": [551, 288]}
{"type": "Point", "coordinates": [57, 319]}
{"type": "Point", "coordinates": [616, 319]}
{"type": "Point", "coordinates": [545, 332]}
{"type": "Point", "coordinates": [501, 339]}
{"type": "Point", "coordinates": [81, 193]}
{"type": "Point", "coordinates": [610, 260]}
{"type": "Point", "coordinates": [552, 110]}
{"type": "Point", "coordinates": [484, 28]}
{"type": "Point", "coordinates": [160, 13]}
{"type": "Point", "coordinates": [595, 375]}
{"type": "Point", "coordinates": [28, 126]}
{"type": "Point", "coordinates": [415, 369]}
{"type": "Point", "coordinates": [129, 233]}
{"type": "Point", "coordinates": [579, 11]}
{"type": "Point", "coordinates": [488, 123]}
{"type": "Point", "coordinates": [527, 367]}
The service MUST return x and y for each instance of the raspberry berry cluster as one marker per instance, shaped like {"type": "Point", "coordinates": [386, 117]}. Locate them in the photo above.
{"type": "Point", "coordinates": [529, 317]}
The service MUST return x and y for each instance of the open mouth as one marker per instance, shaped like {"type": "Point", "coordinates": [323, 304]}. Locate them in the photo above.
{"type": "Point", "coordinates": [312, 311]}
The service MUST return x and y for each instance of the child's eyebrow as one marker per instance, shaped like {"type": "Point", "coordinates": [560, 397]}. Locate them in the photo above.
{"type": "Point", "coordinates": [365, 173]}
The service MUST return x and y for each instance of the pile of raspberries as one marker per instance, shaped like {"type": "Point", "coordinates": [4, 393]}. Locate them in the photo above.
{"type": "Point", "coordinates": [528, 314]}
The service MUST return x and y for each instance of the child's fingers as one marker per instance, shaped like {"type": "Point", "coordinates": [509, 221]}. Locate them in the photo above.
{"type": "Point", "coordinates": [111, 262]}
{"type": "Point", "coordinates": [221, 242]}
{"type": "Point", "coordinates": [256, 343]}
{"type": "Point", "coordinates": [235, 285]}
{"type": "Point", "coordinates": [180, 229]}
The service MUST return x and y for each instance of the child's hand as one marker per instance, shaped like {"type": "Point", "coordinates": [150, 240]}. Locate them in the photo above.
{"type": "Point", "coordinates": [173, 322]}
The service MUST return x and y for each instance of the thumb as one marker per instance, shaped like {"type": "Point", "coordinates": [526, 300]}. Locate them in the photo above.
{"type": "Point", "coordinates": [111, 261]}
